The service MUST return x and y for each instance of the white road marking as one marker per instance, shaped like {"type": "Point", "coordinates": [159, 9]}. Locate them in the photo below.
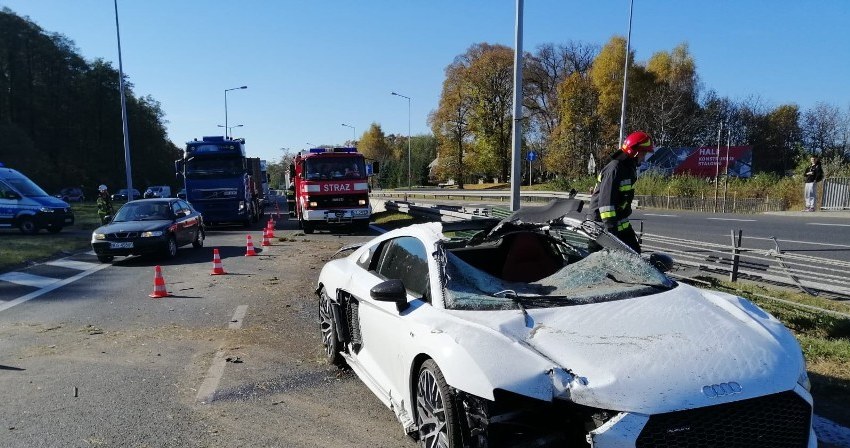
{"type": "Point", "coordinates": [659, 214]}
{"type": "Point", "coordinates": [206, 393]}
{"type": "Point", "coordinates": [826, 224]}
{"type": "Point", "coordinates": [732, 219]}
{"type": "Point", "coordinates": [72, 264]}
{"type": "Point", "coordinates": [207, 390]}
{"type": "Point", "coordinates": [51, 287]}
{"type": "Point", "coordinates": [22, 278]}
{"type": "Point", "coordinates": [238, 316]}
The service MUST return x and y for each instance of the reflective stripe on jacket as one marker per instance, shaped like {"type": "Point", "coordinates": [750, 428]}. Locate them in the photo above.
{"type": "Point", "coordinates": [611, 201]}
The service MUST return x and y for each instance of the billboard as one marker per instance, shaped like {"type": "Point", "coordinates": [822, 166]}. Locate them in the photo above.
{"type": "Point", "coordinates": [702, 162]}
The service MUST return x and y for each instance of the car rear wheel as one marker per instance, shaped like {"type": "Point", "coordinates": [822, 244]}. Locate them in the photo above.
{"type": "Point", "coordinates": [199, 239]}
{"type": "Point", "coordinates": [171, 247]}
{"type": "Point", "coordinates": [436, 414]}
{"type": "Point", "coordinates": [27, 226]}
{"type": "Point", "coordinates": [327, 324]}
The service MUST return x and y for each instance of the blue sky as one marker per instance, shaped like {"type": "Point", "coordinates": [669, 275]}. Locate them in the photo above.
{"type": "Point", "coordinates": [312, 65]}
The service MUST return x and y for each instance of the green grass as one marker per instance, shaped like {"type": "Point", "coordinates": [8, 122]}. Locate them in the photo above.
{"type": "Point", "coordinates": [19, 248]}
{"type": "Point", "coordinates": [392, 220]}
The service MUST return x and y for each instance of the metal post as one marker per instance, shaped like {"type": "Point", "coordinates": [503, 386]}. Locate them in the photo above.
{"type": "Point", "coordinates": [726, 174]}
{"type": "Point", "coordinates": [127, 166]}
{"type": "Point", "coordinates": [736, 249]}
{"type": "Point", "coordinates": [626, 76]}
{"type": "Point", "coordinates": [226, 129]}
{"type": "Point", "coordinates": [717, 167]}
{"type": "Point", "coordinates": [516, 130]}
{"type": "Point", "coordinates": [408, 138]}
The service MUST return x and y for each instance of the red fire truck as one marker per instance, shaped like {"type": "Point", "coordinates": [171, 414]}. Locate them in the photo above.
{"type": "Point", "coordinates": [330, 188]}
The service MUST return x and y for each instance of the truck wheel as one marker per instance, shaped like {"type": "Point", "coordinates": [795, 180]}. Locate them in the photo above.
{"type": "Point", "coordinates": [307, 226]}
{"type": "Point", "coordinates": [27, 226]}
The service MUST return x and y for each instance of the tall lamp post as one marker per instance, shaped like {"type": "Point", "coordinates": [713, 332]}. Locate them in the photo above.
{"type": "Point", "coordinates": [230, 128]}
{"type": "Point", "coordinates": [626, 77]}
{"type": "Point", "coordinates": [353, 132]}
{"type": "Point", "coordinates": [408, 137]}
{"type": "Point", "coordinates": [225, 104]}
{"type": "Point", "coordinates": [127, 166]}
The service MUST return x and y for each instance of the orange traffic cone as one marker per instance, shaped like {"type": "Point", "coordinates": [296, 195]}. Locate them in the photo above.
{"type": "Point", "coordinates": [249, 251]}
{"type": "Point", "coordinates": [217, 268]}
{"type": "Point", "coordinates": [266, 241]}
{"type": "Point", "coordinates": [158, 285]}
{"type": "Point", "coordinates": [271, 228]}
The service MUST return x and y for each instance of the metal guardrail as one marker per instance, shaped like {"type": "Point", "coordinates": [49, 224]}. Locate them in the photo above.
{"type": "Point", "coordinates": [836, 194]}
{"type": "Point", "coordinates": [813, 275]}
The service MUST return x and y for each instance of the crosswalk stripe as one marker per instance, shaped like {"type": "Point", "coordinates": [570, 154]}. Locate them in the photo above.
{"type": "Point", "coordinates": [72, 264]}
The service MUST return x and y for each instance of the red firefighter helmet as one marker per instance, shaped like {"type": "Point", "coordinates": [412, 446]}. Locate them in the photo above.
{"type": "Point", "coordinates": [636, 143]}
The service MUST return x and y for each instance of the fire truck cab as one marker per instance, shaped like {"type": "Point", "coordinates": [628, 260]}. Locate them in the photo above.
{"type": "Point", "coordinates": [331, 188]}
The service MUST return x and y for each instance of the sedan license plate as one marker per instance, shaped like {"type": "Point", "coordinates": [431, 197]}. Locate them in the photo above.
{"type": "Point", "coordinates": [127, 245]}
{"type": "Point", "coordinates": [363, 212]}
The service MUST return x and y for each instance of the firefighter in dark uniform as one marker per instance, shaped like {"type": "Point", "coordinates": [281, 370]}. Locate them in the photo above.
{"type": "Point", "coordinates": [104, 204]}
{"type": "Point", "coordinates": [611, 201]}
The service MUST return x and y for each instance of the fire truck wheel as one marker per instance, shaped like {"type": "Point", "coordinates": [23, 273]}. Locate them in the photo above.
{"type": "Point", "coordinates": [307, 226]}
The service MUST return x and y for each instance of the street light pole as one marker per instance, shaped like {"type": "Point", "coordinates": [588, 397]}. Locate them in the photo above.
{"type": "Point", "coordinates": [225, 106]}
{"type": "Point", "coordinates": [229, 128]}
{"type": "Point", "coordinates": [626, 77]}
{"type": "Point", "coordinates": [516, 130]}
{"type": "Point", "coordinates": [353, 132]}
{"type": "Point", "coordinates": [127, 166]}
{"type": "Point", "coordinates": [408, 137]}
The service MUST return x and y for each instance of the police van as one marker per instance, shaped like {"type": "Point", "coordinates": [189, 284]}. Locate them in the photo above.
{"type": "Point", "coordinates": [24, 205]}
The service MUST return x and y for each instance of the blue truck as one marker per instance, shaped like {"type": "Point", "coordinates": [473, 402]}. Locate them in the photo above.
{"type": "Point", "coordinates": [220, 181]}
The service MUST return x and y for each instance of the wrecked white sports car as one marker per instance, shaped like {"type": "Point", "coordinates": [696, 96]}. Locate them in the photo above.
{"type": "Point", "coordinates": [543, 330]}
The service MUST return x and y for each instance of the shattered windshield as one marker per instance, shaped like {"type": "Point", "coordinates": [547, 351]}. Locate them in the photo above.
{"type": "Point", "coordinates": [600, 276]}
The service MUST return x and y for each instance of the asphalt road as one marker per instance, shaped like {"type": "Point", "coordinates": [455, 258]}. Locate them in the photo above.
{"type": "Point", "coordinates": [96, 362]}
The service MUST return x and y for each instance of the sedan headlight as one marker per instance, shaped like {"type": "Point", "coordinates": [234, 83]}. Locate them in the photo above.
{"type": "Point", "coordinates": [314, 204]}
{"type": "Point", "coordinates": [97, 236]}
{"type": "Point", "coordinates": [45, 210]}
{"type": "Point", "coordinates": [151, 233]}
{"type": "Point", "coordinates": [361, 202]}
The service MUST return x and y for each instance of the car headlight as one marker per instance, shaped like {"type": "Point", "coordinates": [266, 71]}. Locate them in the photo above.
{"type": "Point", "coordinates": [241, 205]}
{"type": "Point", "coordinates": [314, 204]}
{"type": "Point", "coordinates": [151, 233]}
{"type": "Point", "coordinates": [97, 236]}
{"type": "Point", "coordinates": [804, 381]}
{"type": "Point", "coordinates": [45, 210]}
{"type": "Point", "coordinates": [361, 202]}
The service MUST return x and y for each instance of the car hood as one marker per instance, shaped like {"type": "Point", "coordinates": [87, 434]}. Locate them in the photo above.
{"type": "Point", "coordinates": [50, 201]}
{"type": "Point", "coordinates": [134, 226]}
{"type": "Point", "coordinates": [656, 353]}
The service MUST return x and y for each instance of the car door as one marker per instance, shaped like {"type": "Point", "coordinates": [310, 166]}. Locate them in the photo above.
{"type": "Point", "coordinates": [180, 231]}
{"type": "Point", "coordinates": [192, 222]}
{"type": "Point", "coordinates": [385, 331]}
{"type": "Point", "coordinates": [8, 205]}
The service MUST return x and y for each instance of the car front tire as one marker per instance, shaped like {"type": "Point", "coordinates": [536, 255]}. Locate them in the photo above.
{"type": "Point", "coordinates": [436, 414]}
{"type": "Point", "coordinates": [171, 247]}
{"type": "Point", "coordinates": [199, 239]}
{"type": "Point", "coordinates": [27, 226]}
{"type": "Point", "coordinates": [327, 324]}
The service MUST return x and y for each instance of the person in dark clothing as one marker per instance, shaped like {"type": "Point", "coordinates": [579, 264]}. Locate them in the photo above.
{"type": "Point", "coordinates": [814, 174]}
{"type": "Point", "coordinates": [104, 204]}
{"type": "Point", "coordinates": [611, 199]}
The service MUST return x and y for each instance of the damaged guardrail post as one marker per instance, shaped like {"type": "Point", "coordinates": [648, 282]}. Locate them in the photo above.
{"type": "Point", "coordinates": [736, 250]}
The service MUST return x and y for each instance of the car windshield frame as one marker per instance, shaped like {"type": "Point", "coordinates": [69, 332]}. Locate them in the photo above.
{"type": "Point", "coordinates": [136, 211]}
{"type": "Point", "coordinates": [26, 187]}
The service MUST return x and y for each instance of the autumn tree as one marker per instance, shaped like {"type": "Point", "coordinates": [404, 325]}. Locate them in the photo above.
{"type": "Point", "coordinates": [450, 125]}
{"type": "Point", "coordinates": [667, 107]}
{"type": "Point", "coordinates": [575, 138]}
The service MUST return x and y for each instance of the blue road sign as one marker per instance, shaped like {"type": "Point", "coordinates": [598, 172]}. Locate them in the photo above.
{"type": "Point", "coordinates": [532, 156]}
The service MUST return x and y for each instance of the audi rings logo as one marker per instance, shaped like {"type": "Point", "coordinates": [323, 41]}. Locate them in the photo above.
{"type": "Point", "coordinates": [722, 389]}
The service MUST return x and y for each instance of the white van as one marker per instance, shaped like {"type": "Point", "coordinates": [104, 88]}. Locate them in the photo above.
{"type": "Point", "coordinates": [160, 191]}
{"type": "Point", "coordinates": [24, 205]}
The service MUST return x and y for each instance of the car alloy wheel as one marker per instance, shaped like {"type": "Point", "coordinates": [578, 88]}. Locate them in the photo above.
{"type": "Point", "coordinates": [328, 326]}
{"type": "Point", "coordinates": [172, 247]}
{"type": "Point", "coordinates": [436, 415]}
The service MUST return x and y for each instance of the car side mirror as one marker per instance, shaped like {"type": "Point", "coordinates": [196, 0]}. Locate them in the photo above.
{"type": "Point", "coordinates": [391, 291]}
{"type": "Point", "coordinates": [661, 261]}
{"type": "Point", "coordinates": [107, 219]}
